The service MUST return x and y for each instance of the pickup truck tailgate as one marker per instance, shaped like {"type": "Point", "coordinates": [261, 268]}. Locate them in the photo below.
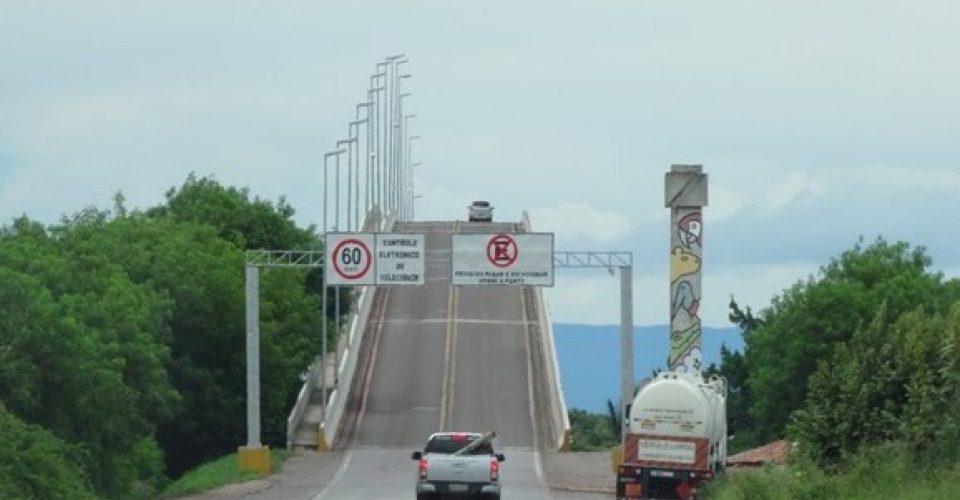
{"type": "Point", "coordinates": [460, 469]}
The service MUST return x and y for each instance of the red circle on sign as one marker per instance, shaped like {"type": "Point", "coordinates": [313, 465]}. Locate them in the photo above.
{"type": "Point", "coordinates": [365, 252]}
{"type": "Point", "coordinates": [502, 250]}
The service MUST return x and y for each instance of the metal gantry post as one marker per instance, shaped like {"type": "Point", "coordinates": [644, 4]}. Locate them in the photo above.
{"type": "Point", "coordinates": [252, 287]}
{"type": "Point", "coordinates": [624, 262]}
{"type": "Point", "coordinates": [255, 456]}
{"type": "Point", "coordinates": [626, 341]}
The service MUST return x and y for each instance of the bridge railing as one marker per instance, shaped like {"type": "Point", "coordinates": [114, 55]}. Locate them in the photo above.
{"type": "Point", "coordinates": [348, 363]}
{"type": "Point", "coordinates": [357, 323]}
{"type": "Point", "coordinates": [560, 420]}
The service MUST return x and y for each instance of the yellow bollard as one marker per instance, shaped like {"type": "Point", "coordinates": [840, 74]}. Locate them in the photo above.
{"type": "Point", "coordinates": [322, 439]}
{"type": "Point", "coordinates": [255, 459]}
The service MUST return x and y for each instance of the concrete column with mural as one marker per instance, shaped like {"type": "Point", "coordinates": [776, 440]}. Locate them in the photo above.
{"type": "Point", "coordinates": [685, 196]}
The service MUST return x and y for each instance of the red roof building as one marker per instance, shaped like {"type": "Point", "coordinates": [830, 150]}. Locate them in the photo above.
{"type": "Point", "coordinates": [770, 453]}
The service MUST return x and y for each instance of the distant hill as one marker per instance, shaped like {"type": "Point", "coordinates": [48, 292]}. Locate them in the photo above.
{"type": "Point", "coordinates": [589, 358]}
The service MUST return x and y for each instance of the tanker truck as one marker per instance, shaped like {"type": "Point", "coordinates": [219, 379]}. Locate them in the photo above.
{"type": "Point", "coordinates": [675, 438]}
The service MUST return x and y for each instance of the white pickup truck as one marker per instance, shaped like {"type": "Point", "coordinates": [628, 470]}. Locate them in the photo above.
{"type": "Point", "coordinates": [455, 464]}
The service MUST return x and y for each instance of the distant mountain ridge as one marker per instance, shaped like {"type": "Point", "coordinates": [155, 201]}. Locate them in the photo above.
{"type": "Point", "coordinates": [589, 357]}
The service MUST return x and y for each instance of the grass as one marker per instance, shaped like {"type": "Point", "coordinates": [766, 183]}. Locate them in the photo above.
{"type": "Point", "coordinates": [219, 472]}
{"type": "Point", "coordinates": [885, 473]}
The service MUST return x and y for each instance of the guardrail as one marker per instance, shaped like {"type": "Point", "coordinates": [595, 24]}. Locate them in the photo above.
{"type": "Point", "coordinates": [558, 405]}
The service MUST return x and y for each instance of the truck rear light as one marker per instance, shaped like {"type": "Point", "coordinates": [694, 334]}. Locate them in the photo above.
{"type": "Point", "coordinates": [494, 470]}
{"type": "Point", "coordinates": [423, 468]}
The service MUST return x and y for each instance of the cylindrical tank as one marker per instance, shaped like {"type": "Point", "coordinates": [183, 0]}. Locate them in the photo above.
{"type": "Point", "coordinates": [677, 404]}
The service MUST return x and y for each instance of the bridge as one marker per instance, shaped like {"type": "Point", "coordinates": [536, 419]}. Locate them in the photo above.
{"type": "Point", "coordinates": [410, 360]}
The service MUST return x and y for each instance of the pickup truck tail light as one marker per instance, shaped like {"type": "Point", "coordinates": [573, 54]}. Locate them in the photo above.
{"type": "Point", "coordinates": [423, 468]}
{"type": "Point", "coordinates": [494, 470]}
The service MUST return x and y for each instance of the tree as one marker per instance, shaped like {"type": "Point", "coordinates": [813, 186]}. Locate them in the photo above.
{"type": "Point", "coordinates": [87, 358]}
{"type": "Point", "coordinates": [247, 223]}
{"type": "Point", "coordinates": [591, 432]}
{"type": "Point", "coordinates": [803, 325]}
{"type": "Point", "coordinates": [889, 382]}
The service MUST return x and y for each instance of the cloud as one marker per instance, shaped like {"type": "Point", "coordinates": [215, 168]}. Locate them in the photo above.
{"type": "Point", "coordinates": [795, 188]}
{"type": "Point", "coordinates": [902, 179]}
{"type": "Point", "coordinates": [576, 222]}
{"type": "Point", "coordinates": [724, 203]}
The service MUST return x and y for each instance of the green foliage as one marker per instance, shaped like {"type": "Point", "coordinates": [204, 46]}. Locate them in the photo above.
{"type": "Point", "coordinates": [889, 382]}
{"type": "Point", "coordinates": [592, 431]}
{"type": "Point", "coordinates": [218, 472]}
{"type": "Point", "coordinates": [87, 354]}
{"type": "Point", "coordinates": [35, 464]}
{"type": "Point", "coordinates": [248, 224]}
{"type": "Point", "coordinates": [884, 471]}
{"type": "Point", "coordinates": [123, 334]}
{"type": "Point", "coordinates": [784, 343]}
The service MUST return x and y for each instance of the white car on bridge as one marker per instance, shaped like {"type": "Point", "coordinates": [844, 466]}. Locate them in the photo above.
{"type": "Point", "coordinates": [480, 211]}
{"type": "Point", "coordinates": [455, 464]}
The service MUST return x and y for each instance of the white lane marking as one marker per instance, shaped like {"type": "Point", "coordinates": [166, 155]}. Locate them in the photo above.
{"type": "Point", "coordinates": [337, 476]}
{"type": "Point", "coordinates": [444, 388]}
{"type": "Point", "coordinates": [462, 321]}
{"type": "Point", "coordinates": [453, 359]}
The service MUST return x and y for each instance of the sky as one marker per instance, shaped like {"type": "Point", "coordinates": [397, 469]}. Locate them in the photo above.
{"type": "Point", "coordinates": [817, 122]}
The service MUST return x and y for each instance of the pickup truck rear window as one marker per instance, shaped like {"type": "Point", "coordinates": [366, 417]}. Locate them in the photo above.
{"type": "Point", "coordinates": [448, 445]}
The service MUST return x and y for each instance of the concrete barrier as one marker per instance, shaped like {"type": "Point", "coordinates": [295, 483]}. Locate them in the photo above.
{"type": "Point", "coordinates": [303, 400]}
{"type": "Point", "coordinates": [558, 406]}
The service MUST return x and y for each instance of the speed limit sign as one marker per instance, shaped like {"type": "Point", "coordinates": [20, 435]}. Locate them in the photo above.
{"type": "Point", "coordinates": [349, 259]}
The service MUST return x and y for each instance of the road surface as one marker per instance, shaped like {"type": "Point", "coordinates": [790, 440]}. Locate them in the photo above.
{"type": "Point", "coordinates": [446, 359]}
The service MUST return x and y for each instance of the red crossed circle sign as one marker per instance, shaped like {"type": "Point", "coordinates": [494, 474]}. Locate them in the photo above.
{"type": "Point", "coordinates": [502, 250]}
{"type": "Point", "coordinates": [352, 259]}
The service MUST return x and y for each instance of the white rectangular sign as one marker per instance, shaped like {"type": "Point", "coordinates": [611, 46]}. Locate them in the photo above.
{"type": "Point", "coordinates": [659, 450]}
{"type": "Point", "coordinates": [357, 259]}
{"type": "Point", "coordinates": [504, 259]}
{"type": "Point", "coordinates": [400, 259]}
{"type": "Point", "coordinates": [349, 259]}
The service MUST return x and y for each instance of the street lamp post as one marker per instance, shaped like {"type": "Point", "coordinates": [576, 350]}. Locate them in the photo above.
{"type": "Point", "coordinates": [349, 142]}
{"type": "Point", "coordinates": [398, 150]}
{"type": "Point", "coordinates": [374, 94]}
{"type": "Point", "coordinates": [366, 162]}
{"type": "Point", "coordinates": [408, 169]}
{"type": "Point", "coordinates": [403, 164]}
{"type": "Point", "coordinates": [390, 137]}
{"type": "Point", "coordinates": [354, 128]}
{"type": "Point", "coordinates": [413, 196]}
{"type": "Point", "coordinates": [413, 204]}
{"type": "Point", "coordinates": [336, 290]}
{"type": "Point", "coordinates": [323, 295]}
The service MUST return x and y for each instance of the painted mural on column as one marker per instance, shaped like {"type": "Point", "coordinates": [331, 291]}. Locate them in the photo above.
{"type": "Point", "coordinates": [685, 272]}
